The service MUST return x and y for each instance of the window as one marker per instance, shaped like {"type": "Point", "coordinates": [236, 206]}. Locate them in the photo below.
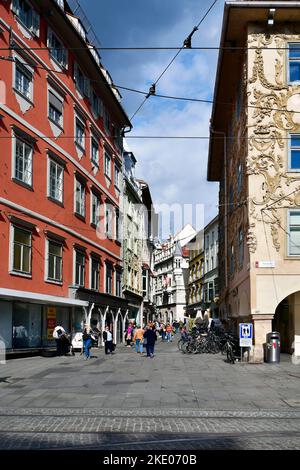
{"type": "Point", "coordinates": [107, 165]}
{"type": "Point", "coordinates": [79, 268]}
{"type": "Point", "coordinates": [23, 80]}
{"type": "Point", "coordinates": [239, 177]}
{"type": "Point", "coordinates": [117, 177]}
{"type": "Point", "coordinates": [79, 198]}
{"type": "Point", "coordinates": [55, 111]}
{"type": "Point", "coordinates": [27, 15]}
{"type": "Point", "coordinates": [23, 161]}
{"type": "Point", "coordinates": [108, 283]}
{"type": "Point", "coordinates": [95, 209]}
{"type": "Point", "coordinates": [55, 184]}
{"type": "Point", "coordinates": [118, 141]}
{"type": "Point", "coordinates": [118, 284]}
{"type": "Point", "coordinates": [106, 122]}
{"type": "Point", "coordinates": [210, 291]}
{"type": "Point", "coordinates": [79, 79]}
{"type": "Point", "coordinates": [94, 151]}
{"type": "Point", "coordinates": [21, 250]}
{"type": "Point", "coordinates": [95, 271]}
{"type": "Point", "coordinates": [79, 133]}
{"type": "Point", "coordinates": [108, 220]}
{"type": "Point", "coordinates": [294, 233]}
{"type": "Point", "coordinates": [96, 105]}
{"type": "Point", "coordinates": [56, 49]}
{"type": "Point", "coordinates": [294, 157]}
{"type": "Point", "coordinates": [118, 226]}
{"type": "Point", "coordinates": [294, 62]}
{"type": "Point", "coordinates": [241, 247]}
{"type": "Point", "coordinates": [54, 261]}
{"type": "Point", "coordinates": [144, 278]}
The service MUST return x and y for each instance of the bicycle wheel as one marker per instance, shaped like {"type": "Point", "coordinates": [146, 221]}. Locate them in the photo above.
{"type": "Point", "coordinates": [230, 355]}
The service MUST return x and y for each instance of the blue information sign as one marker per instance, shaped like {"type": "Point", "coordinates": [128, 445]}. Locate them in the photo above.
{"type": "Point", "coordinates": [246, 334]}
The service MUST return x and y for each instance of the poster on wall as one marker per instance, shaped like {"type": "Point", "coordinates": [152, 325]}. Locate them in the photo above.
{"type": "Point", "coordinates": [51, 321]}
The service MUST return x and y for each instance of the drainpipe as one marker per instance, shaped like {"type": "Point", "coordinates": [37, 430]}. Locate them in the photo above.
{"type": "Point", "coordinates": [226, 205]}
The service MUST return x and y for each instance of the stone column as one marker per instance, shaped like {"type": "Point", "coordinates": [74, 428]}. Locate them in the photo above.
{"type": "Point", "coordinates": [262, 324]}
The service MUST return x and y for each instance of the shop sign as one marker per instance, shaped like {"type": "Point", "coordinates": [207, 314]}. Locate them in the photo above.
{"type": "Point", "coordinates": [51, 321]}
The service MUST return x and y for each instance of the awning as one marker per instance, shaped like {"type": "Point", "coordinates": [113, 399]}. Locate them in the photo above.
{"type": "Point", "coordinates": [35, 297]}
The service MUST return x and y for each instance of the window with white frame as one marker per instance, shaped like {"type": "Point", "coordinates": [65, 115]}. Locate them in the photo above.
{"type": "Point", "coordinates": [118, 283]}
{"type": "Point", "coordinates": [55, 180]}
{"type": "Point", "coordinates": [108, 280]}
{"type": "Point", "coordinates": [95, 209]}
{"type": "Point", "coordinates": [117, 177]}
{"type": "Point", "coordinates": [79, 197]}
{"type": "Point", "coordinates": [294, 233]}
{"type": "Point", "coordinates": [106, 122]}
{"type": "Point", "coordinates": [294, 152]}
{"type": "Point", "coordinates": [107, 165]}
{"type": "Point", "coordinates": [79, 79]}
{"type": "Point", "coordinates": [23, 80]}
{"type": "Point", "coordinates": [56, 49]}
{"type": "Point", "coordinates": [79, 268]}
{"type": "Point", "coordinates": [55, 108]}
{"type": "Point", "coordinates": [108, 220]}
{"type": "Point", "coordinates": [94, 151]}
{"type": "Point", "coordinates": [96, 105]}
{"type": "Point", "coordinates": [294, 62]}
{"type": "Point", "coordinates": [21, 251]}
{"type": "Point", "coordinates": [54, 268]}
{"type": "Point", "coordinates": [79, 133]}
{"type": "Point", "coordinates": [23, 152]}
{"type": "Point", "coordinates": [27, 15]}
{"type": "Point", "coordinates": [117, 225]}
{"type": "Point", "coordinates": [95, 273]}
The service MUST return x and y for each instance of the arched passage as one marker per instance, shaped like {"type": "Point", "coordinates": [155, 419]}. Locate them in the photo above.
{"type": "Point", "coordinates": [287, 322]}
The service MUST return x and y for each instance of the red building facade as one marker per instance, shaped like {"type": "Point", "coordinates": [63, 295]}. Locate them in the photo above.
{"type": "Point", "coordinates": [61, 169]}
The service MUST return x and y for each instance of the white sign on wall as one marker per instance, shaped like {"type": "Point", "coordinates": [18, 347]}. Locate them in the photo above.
{"type": "Point", "coordinates": [265, 264]}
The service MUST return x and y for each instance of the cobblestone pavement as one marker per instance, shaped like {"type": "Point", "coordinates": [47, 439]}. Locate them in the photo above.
{"type": "Point", "coordinates": [127, 401]}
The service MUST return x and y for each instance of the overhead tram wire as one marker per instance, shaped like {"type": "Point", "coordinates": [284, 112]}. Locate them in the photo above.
{"type": "Point", "coordinates": [178, 98]}
{"type": "Point", "coordinates": [172, 60]}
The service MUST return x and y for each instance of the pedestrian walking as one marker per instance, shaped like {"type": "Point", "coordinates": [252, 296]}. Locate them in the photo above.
{"type": "Point", "coordinates": [87, 343]}
{"type": "Point", "coordinates": [150, 336]}
{"type": "Point", "coordinates": [163, 331]}
{"type": "Point", "coordinates": [58, 332]}
{"type": "Point", "coordinates": [169, 331]}
{"type": "Point", "coordinates": [108, 343]}
{"type": "Point", "coordinates": [138, 339]}
{"type": "Point", "coordinates": [128, 333]}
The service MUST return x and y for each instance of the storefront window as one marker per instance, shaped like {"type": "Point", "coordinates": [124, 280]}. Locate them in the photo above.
{"type": "Point", "coordinates": [26, 325]}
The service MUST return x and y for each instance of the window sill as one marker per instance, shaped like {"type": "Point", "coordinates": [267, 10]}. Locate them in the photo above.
{"type": "Point", "coordinates": [81, 217]}
{"type": "Point", "coordinates": [82, 149]}
{"type": "Point", "coordinates": [25, 26]}
{"type": "Point", "coordinates": [56, 201]}
{"type": "Point", "coordinates": [22, 183]}
{"type": "Point", "coordinates": [61, 66]}
{"type": "Point", "coordinates": [107, 176]}
{"type": "Point", "coordinates": [28, 99]}
{"type": "Point", "coordinates": [51, 281]}
{"type": "Point", "coordinates": [56, 123]}
{"type": "Point", "coordinates": [20, 274]}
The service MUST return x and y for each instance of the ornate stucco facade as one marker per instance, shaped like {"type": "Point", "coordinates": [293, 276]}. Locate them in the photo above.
{"type": "Point", "coordinates": [259, 177]}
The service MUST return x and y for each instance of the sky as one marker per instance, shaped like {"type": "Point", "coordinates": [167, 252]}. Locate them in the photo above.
{"type": "Point", "coordinates": [174, 169]}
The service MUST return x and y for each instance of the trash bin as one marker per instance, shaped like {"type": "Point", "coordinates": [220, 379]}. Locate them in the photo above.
{"type": "Point", "coordinates": [273, 347]}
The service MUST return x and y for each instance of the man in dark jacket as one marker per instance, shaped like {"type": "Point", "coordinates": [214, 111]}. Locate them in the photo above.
{"type": "Point", "coordinates": [150, 337]}
{"type": "Point", "coordinates": [107, 337]}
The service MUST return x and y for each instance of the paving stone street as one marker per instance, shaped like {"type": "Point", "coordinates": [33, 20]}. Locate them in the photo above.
{"type": "Point", "coordinates": [128, 401]}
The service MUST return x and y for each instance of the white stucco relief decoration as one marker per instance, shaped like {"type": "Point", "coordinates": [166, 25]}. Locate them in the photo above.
{"type": "Point", "coordinates": [270, 122]}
